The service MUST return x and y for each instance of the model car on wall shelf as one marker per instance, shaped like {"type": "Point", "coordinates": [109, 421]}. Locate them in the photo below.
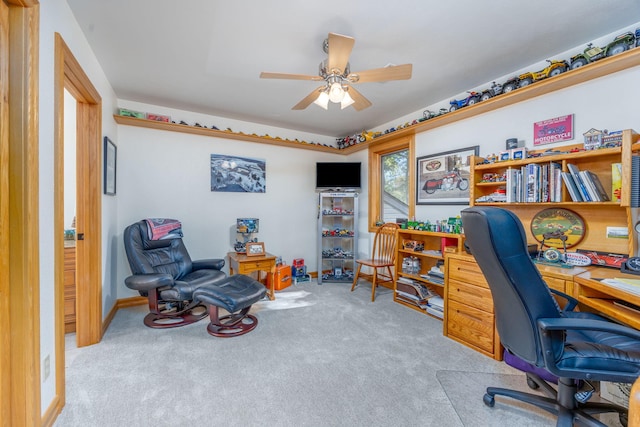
{"type": "Point", "coordinates": [473, 98]}
{"type": "Point", "coordinates": [554, 68]}
{"type": "Point", "coordinates": [620, 44]}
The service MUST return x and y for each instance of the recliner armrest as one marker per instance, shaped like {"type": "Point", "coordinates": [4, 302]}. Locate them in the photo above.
{"type": "Point", "coordinates": [147, 282]}
{"type": "Point", "coordinates": [213, 264]}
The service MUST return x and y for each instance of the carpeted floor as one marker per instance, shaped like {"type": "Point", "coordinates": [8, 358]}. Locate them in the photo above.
{"type": "Point", "coordinates": [320, 356]}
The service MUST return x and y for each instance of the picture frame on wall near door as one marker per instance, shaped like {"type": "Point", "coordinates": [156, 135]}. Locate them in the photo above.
{"type": "Point", "coordinates": [110, 163]}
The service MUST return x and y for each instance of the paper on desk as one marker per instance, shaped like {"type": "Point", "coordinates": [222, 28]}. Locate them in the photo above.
{"type": "Point", "coordinates": [623, 285]}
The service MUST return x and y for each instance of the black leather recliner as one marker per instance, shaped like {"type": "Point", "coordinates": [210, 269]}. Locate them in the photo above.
{"type": "Point", "coordinates": [182, 291]}
{"type": "Point", "coordinates": [571, 345]}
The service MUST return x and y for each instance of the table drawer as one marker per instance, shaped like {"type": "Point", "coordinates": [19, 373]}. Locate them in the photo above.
{"type": "Point", "coordinates": [555, 283]}
{"type": "Point", "coordinates": [475, 296]}
{"type": "Point", "coordinates": [256, 265]}
{"type": "Point", "coordinates": [466, 271]}
{"type": "Point", "coordinates": [471, 325]}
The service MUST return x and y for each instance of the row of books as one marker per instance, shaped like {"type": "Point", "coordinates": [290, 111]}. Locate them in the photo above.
{"type": "Point", "coordinates": [542, 182]}
{"type": "Point", "coordinates": [535, 182]}
{"type": "Point", "coordinates": [584, 186]}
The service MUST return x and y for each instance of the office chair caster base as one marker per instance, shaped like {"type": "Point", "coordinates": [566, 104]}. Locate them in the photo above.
{"type": "Point", "coordinates": [174, 320]}
{"type": "Point", "coordinates": [231, 325]}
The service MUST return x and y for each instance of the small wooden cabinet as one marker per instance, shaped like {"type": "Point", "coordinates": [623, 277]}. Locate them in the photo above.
{"type": "Point", "coordinates": [469, 315]}
{"type": "Point", "coordinates": [433, 243]}
{"type": "Point", "coordinates": [69, 289]}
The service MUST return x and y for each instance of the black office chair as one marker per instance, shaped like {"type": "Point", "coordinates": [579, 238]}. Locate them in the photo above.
{"type": "Point", "coordinates": [571, 345]}
{"type": "Point", "coordinates": [182, 291]}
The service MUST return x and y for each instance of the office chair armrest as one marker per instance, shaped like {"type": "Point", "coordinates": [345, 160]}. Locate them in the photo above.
{"type": "Point", "coordinates": [212, 264]}
{"type": "Point", "coordinates": [571, 302]}
{"type": "Point", "coordinates": [594, 325]}
{"type": "Point", "coordinates": [147, 282]}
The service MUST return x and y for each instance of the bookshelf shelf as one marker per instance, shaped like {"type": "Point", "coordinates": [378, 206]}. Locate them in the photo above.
{"type": "Point", "coordinates": [600, 216]}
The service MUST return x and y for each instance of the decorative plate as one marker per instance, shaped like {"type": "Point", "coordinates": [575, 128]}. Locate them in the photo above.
{"type": "Point", "coordinates": [558, 227]}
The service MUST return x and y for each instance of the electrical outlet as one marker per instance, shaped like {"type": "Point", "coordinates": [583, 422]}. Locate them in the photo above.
{"type": "Point", "coordinates": [47, 367]}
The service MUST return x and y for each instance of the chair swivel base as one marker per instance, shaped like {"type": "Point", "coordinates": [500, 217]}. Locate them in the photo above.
{"type": "Point", "coordinates": [160, 320]}
{"type": "Point", "coordinates": [235, 295]}
{"type": "Point", "coordinates": [564, 406]}
{"type": "Point", "coordinates": [231, 325]}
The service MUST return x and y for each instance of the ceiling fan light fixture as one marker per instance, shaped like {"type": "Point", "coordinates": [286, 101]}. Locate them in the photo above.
{"type": "Point", "coordinates": [322, 100]}
{"type": "Point", "coordinates": [336, 93]}
{"type": "Point", "coordinates": [346, 101]}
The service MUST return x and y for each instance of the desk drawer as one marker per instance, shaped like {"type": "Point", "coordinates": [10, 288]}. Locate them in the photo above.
{"type": "Point", "coordinates": [466, 271]}
{"type": "Point", "coordinates": [471, 325]}
{"type": "Point", "coordinates": [475, 296]}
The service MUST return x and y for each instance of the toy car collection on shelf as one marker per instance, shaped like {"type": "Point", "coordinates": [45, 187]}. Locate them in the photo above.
{"type": "Point", "coordinates": [620, 43]}
{"type": "Point", "coordinates": [337, 236]}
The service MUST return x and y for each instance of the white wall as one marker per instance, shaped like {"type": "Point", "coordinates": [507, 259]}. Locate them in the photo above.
{"type": "Point", "coordinates": [55, 16]}
{"type": "Point", "coordinates": [167, 174]}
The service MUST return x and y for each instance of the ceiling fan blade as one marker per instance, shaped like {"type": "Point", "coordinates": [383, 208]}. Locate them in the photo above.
{"type": "Point", "coordinates": [395, 72]}
{"type": "Point", "coordinates": [308, 99]}
{"type": "Point", "coordinates": [264, 75]}
{"type": "Point", "coordinates": [339, 51]}
{"type": "Point", "coordinates": [360, 101]}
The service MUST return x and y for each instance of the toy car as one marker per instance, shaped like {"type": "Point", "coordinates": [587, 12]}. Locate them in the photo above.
{"type": "Point", "coordinates": [473, 98]}
{"type": "Point", "coordinates": [494, 90]}
{"type": "Point", "coordinates": [621, 43]}
{"type": "Point", "coordinates": [553, 69]}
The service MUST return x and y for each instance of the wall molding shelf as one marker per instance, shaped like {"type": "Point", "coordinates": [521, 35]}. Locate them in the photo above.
{"type": "Point", "coordinates": [604, 67]}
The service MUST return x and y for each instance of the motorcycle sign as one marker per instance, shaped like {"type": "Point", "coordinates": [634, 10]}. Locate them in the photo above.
{"type": "Point", "coordinates": [443, 178]}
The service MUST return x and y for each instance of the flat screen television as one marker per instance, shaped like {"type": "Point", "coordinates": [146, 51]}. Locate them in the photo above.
{"type": "Point", "coordinates": [338, 176]}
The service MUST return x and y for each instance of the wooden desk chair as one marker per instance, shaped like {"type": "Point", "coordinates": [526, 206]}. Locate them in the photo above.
{"type": "Point", "coordinates": [383, 257]}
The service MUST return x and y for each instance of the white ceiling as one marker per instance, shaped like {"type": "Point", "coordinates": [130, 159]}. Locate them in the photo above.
{"type": "Point", "coordinates": [206, 55]}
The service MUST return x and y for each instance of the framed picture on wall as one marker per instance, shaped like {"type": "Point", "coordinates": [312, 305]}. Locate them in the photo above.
{"type": "Point", "coordinates": [110, 159]}
{"type": "Point", "coordinates": [443, 178]}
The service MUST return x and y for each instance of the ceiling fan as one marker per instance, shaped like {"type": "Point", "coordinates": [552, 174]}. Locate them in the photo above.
{"type": "Point", "coordinates": [338, 78]}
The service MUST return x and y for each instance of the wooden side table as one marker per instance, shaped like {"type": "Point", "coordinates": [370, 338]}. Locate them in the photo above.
{"type": "Point", "coordinates": [243, 264]}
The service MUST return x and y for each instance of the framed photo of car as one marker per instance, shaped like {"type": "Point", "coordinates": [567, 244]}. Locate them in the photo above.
{"type": "Point", "coordinates": [255, 249]}
{"type": "Point", "coordinates": [443, 178]}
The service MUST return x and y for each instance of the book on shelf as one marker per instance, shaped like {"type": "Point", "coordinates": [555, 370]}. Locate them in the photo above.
{"type": "Point", "coordinates": [575, 173]}
{"type": "Point", "coordinates": [599, 188]}
{"type": "Point", "coordinates": [589, 185]}
{"type": "Point", "coordinates": [572, 188]}
{"type": "Point", "coordinates": [616, 181]}
{"type": "Point", "coordinates": [555, 182]}
{"type": "Point", "coordinates": [635, 182]}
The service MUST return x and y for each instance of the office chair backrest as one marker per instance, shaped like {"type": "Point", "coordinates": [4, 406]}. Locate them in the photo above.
{"type": "Point", "coordinates": [520, 295]}
{"type": "Point", "coordinates": [148, 256]}
{"type": "Point", "coordinates": [384, 243]}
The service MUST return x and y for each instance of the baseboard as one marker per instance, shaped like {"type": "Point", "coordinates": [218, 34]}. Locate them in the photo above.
{"type": "Point", "coordinates": [52, 412]}
{"type": "Point", "coordinates": [122, 303]}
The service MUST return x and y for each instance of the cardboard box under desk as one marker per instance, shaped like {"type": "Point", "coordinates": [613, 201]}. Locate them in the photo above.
{"type": "Point", "coordinates": [282, 278]}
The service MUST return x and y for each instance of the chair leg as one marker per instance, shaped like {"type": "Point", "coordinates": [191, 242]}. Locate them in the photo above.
{"type": "Point", "coordinates": [374, 284]}
{"type": "Point", "coordinates": [355, 278]}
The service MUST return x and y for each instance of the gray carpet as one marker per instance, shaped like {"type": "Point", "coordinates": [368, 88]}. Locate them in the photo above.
{"type": "Point", "coordinates": [320, 356]}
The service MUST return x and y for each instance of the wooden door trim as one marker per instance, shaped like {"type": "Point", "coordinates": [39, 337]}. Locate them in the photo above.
{"type": "Point", "coordinates": [68, 74]}
{"type": "Point", "coordinates": [20, 389]}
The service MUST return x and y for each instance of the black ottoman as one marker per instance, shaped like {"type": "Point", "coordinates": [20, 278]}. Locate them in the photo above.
{"type": "Point", "coordinates": [236, 294]}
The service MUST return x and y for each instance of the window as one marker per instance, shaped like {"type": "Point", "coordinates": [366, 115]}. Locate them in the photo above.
{"type": "Point", "coordinates": [391, 181]}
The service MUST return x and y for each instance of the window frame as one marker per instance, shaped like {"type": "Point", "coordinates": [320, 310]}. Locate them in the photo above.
{"type": "Point", "coordinates": [375, 161]}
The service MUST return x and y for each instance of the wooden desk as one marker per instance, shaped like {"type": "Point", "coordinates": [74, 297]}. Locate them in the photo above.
{"type": "Point", "coordinates": [243, 264]}
{"type": "Point", "coordinates": [601, 297]}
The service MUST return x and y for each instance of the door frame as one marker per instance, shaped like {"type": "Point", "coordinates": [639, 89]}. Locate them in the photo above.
{"type": "Point", "coordinates": [69, 75]}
